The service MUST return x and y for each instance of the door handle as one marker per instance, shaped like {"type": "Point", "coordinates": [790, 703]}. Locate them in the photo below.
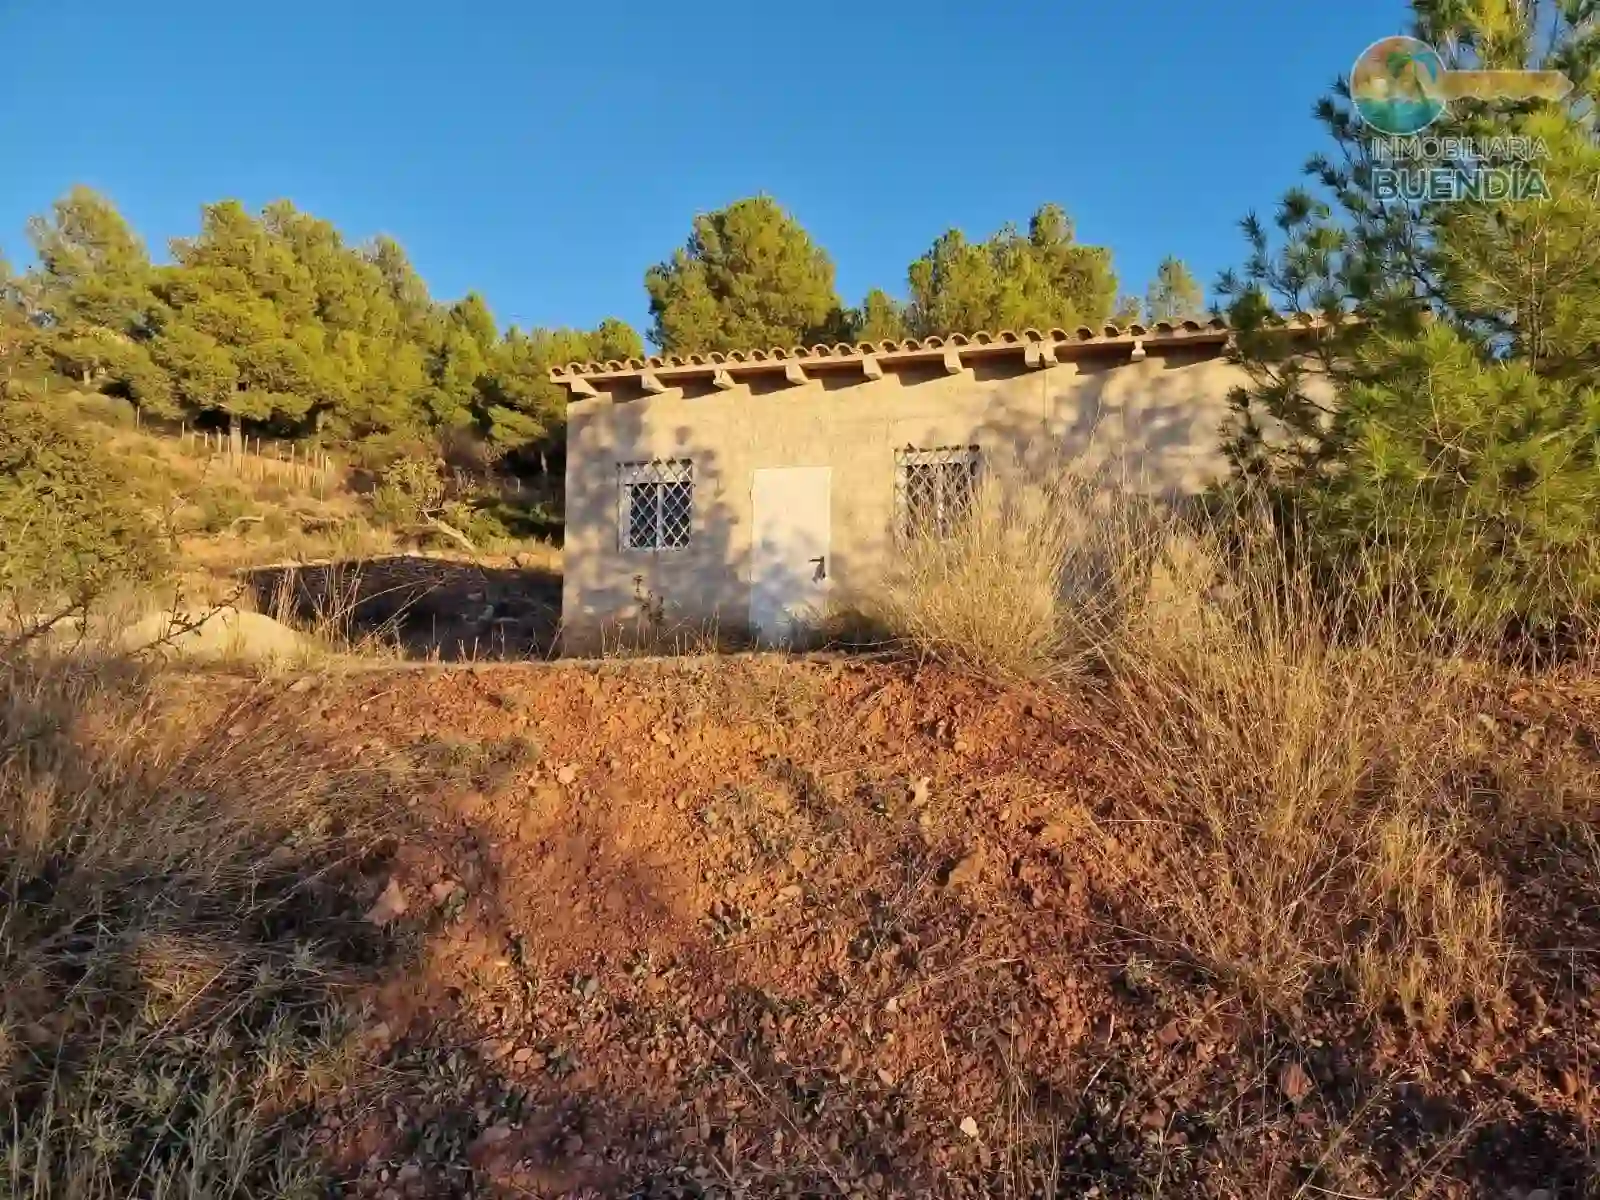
{"type": "Point", "coordinates": [822, 566]}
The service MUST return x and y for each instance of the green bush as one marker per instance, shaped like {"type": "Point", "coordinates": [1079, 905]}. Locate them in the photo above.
{"type": "Point", "coordinates": [408, 489]}
{"type": "Point", "coordinates": [220, 508]}
{"type": "Point", "coordinates": [1467, 484]}
{"type": "Point", "coordinates": [71, 526]}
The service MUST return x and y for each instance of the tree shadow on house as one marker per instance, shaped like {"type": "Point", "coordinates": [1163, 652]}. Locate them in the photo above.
{"type": "Point", "coordinates": [425, 607]}
{"type": "Point", "coordinates": [657, 585]}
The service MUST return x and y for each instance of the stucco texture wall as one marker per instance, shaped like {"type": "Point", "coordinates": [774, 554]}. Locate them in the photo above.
{"type": "Point", "coordinates": [1152, 425]}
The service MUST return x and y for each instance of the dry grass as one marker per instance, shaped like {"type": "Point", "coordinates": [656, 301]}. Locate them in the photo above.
{"type": "Point", "coordinates": [1034, 585]}
{"type": "Point", "coordinates": [1300, 757]}
{"type": "Point", "coordinates": [180, 921]}
{"type": "Point", "coordinates": [334, 613]}
{"type": "Point", "coordinates": [1303, 762]}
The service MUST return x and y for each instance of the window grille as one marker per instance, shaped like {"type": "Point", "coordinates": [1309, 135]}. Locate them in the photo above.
{"type": "Point", "coordinates": [934, 489]}
{"type": "Point", "coordinates": [655, 503]}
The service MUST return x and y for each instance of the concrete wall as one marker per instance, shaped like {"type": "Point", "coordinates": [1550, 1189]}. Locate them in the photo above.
{"type": "Point", "coordinates": [1154, 424]}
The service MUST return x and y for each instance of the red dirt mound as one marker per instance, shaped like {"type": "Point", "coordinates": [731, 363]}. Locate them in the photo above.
{"type": "Point", "coordinates": [764, 927]}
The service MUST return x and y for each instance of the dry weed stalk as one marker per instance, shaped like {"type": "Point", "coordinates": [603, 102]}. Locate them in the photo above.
{"type": "Point", "coordinates": [173, 948]}
{"type": "Point", "coordinates": [1294, 747]}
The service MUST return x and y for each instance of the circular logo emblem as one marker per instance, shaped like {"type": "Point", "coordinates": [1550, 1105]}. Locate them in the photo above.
{"type": "Point", "coordinates": [1398, 85]}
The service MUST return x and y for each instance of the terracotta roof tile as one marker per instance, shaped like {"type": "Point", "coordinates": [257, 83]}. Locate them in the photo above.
{"type": "Point", "coordinates": [1210, 331]}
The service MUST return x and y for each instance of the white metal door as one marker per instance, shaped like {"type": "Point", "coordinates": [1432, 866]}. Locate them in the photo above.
{"type": "Point", "coordinates": [789, 565]}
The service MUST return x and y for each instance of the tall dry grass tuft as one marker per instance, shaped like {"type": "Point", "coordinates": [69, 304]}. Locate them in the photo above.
{"type": "Point", "coordinates": [337, 610]}
{"type": "Point", "coordinates": [1295, 748]}
{"type": "Point", "coordinates": [1032, 585]}
{"type": "Point", "coordinates": [180, 922]}
{"type": "Point", "coordinates": [1300, 756]}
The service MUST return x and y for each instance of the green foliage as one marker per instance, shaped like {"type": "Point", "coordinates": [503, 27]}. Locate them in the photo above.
{"type": "Point", "coordinates": [749, 276]}
{"type": "Point", "coordinates": [1445, 407]}
{"type": "Point", "coordinates": [1174, 294]}
{"type": "Point", "coordinates": [70, 527]}
{"type": "Point", "coordinates": [1470, 480]}
{"type": "Point", "coordinates": [880, 318]}
{"type": "Point", "coordinates": [409, 489]}
{"type": "Point", "coordinates": [270, 322]}
{"type": "Point", "coordinates": [1041, 279]}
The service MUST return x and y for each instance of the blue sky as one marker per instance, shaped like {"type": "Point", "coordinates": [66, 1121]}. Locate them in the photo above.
{"type": "Point", "coordinates": [545, 154]}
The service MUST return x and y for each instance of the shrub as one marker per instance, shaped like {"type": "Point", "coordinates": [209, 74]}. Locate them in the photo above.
{"type": "Point", "coordinates": [408, 489]}
{"type": "Point", "coordinates": [70, 527]}
{"type": "Point", "coordinates": [181, 922]}
{"type": "Point", "coordinates": [220, 507]}
{"type": "Point", "coordinates": [1029, 587]}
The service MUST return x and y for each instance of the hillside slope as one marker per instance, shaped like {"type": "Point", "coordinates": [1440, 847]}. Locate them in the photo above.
{"type": "Point", "coordinates": [792, 928]}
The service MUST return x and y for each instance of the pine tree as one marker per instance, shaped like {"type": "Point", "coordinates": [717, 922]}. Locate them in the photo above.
{"type": "Point", "coordinates": [880, 318]}
{"type": "Point", "coordinates": [1441, 444]}
{"type": "Point", "coordinates": [748, 277]}
{"type": "Point", "coordinates": [1174, 294]}
{"type": "Point", "coordinates": [1041, 279]}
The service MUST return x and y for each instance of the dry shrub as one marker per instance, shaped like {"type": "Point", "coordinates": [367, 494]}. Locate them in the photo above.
{"type": "Point", "coordinates": [1297, 751]}
{"type": "Point", "coordinates": [338, 609]}
{"type": "Point", "coordinates": [1033, 584]}
{"type": "Point", "coordinates": [1301, 757]}
{"type": "Point", "coordinates": [181, 917]}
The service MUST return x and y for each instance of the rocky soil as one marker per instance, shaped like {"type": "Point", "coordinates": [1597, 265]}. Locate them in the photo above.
{"type": "Point", "coordinates": [764, 928]}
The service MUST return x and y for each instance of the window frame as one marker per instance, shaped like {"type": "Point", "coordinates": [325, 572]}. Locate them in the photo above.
{"type": "Point", "coordinates": [909, 459]}
{"type": "Point", "coordinates": [659, 475]}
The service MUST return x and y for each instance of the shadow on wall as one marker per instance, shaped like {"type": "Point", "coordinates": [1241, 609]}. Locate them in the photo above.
{"type": "Point", "coordinates": [648, 600]}
{"type": "Point", "coordinates": [427, 608]}
{"type": "Point", "coordinates": [1151, 427]}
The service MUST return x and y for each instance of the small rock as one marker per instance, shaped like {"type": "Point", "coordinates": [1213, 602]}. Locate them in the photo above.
{"type": "Point", "coordinates": [1293, 1082]}
{"type": "Point", "coordinates": [443, 890]}
{"type": "Point", "coordinates": [567, 774]}
{"type": "Point", "coordinates": [408, 1172]}
{"type": "Point", "coordinates": [390, 905]}
{"type": "Point", "coordinates": [919, 792]}
{"type": "Point", "coordinates": [969, 1127]}
{"type": "Point", "coordinates": [966, 869]}
{"type": "Point", "coordinates": [304, 684]}
{"type": "Point", "coordinates": [663, 738]}
{"type": "Point", "coordinates": [959, 746]}
{"type": "Point", "coordinates": [885, 1078]}
{"type": "Point", "coordinates": [238, 731]}
{"type": "Point", "coordinates": [793, 892]}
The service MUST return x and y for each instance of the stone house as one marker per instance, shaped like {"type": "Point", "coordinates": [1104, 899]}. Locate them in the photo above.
{"type": "Point", "coordinates": [748, 491]}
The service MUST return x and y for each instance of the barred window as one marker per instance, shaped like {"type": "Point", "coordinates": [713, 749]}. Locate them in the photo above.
{"type": "Point", "coordinates": [933, 489]}
{"type": "Point", "coordinates": [655, 503]}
